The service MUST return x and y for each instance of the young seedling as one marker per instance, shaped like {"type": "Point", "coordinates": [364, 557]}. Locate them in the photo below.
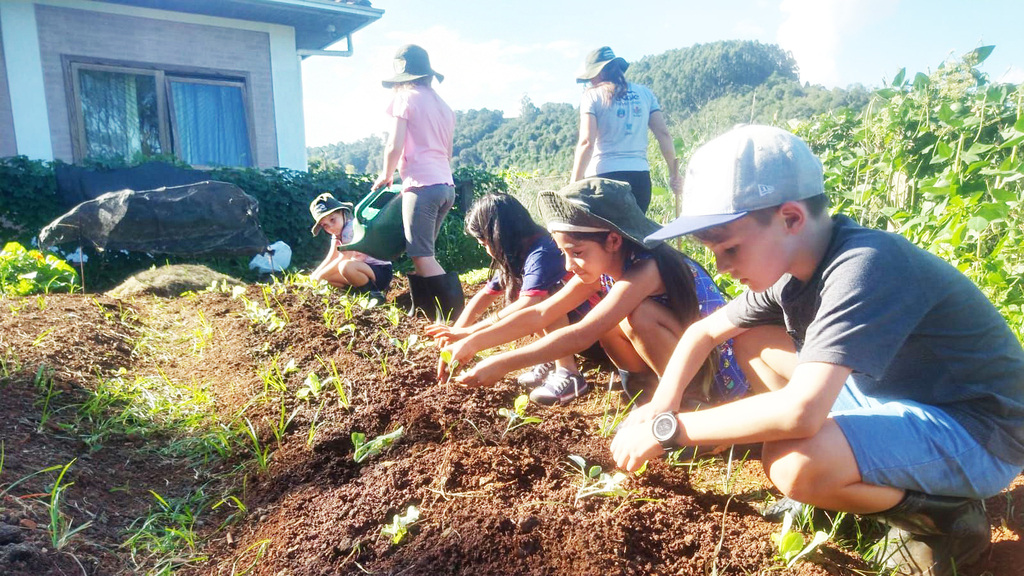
{"type": "Point", "coordinates": [450, 362]}
{"type": "Point", "coordinates": [517, 417]}
{"type": "Point", "coordinates": [364, 449]}
{"type": "Point", "coordinates": [399, 525]}
{"type": "Point", "coordinates": [410, 343]}
{"type": "Point", "coordinates": [610, 422]}
{"type": "Point", "coordinates": [335, 380]}
{"type": "Point", "coordinates": [595, 482]}
{"type": "Point", "coordinates": [262, 453]}
{"type": "Point", "coordinates": [790, 543]}
{"type": "Point", "coordinates": [60, 528]}
{"type": "Point", "coordinates": [311, 386]}
{"type": "Point", "coordinates": [44, 382]}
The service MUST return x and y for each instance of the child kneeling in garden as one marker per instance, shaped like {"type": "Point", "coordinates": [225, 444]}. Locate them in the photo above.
{"type": "Point", "coordinates": [652, 294]}
{"type": "Point", "coordinates": [528, 267]}
{"type": "Point", "coordinates": [907, 402]}
{"type": "Point", "coordinates": [348, 268]}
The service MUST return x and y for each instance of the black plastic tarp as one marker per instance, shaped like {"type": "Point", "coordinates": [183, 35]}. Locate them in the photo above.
{"type": "Point", "coordinates": [204, 218]}
{"type": "Point", "coordinates": [76, 184]}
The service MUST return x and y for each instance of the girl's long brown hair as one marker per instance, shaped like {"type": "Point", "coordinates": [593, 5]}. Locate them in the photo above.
{"type": "Point", "coordinates": [680, 288]}
{"type": "Point", "coordinates": [612, 81]}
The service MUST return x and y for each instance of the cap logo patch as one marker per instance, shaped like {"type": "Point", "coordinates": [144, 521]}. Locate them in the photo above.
{"type": "Point", "coordinates": [765, 189]}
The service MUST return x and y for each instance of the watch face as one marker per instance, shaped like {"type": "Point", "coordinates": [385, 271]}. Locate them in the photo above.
{"type": "Point", "coordinates": [664, 427]}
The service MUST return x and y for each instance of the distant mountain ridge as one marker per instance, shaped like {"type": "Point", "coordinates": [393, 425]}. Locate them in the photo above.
{"type": "Point", "coordinates": [703, 90]}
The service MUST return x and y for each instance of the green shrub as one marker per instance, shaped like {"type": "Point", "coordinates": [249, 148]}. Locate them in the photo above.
{"type": "Point", "coordinates": [24, 272]}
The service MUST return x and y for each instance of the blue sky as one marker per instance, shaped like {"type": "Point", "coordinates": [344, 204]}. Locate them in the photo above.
{"type": "Point", "coordinates": [492, 53]}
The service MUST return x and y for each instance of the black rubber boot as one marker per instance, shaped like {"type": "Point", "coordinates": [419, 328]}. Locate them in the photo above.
{"type": "Point", "coordinates": [422, 299]}
{"type": "Point", "coordinates": [934, 535]}
{"type": "Point", "coordinates": [446, 298]}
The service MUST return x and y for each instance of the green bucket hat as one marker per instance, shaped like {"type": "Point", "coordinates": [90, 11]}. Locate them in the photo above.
{"type": "Point", "coordinates": [596, 61]}
{"type": "Point", "coordinates": [597, 205]}
{"type": "Point", "coordinates": [411, 62]}
{"type": "Point", "coordinates": [324, 205]}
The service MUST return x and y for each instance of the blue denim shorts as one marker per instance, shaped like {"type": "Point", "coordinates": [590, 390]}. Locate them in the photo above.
{"type": "Point", "coordinates": [913, 446]}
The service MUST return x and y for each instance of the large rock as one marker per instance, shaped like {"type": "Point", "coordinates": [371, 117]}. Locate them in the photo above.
{"type": "Point", "coordinates": [171, 281]}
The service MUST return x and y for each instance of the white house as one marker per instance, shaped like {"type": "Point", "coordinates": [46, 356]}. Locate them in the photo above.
{"type": "Point", "coordinates": [210, 81]}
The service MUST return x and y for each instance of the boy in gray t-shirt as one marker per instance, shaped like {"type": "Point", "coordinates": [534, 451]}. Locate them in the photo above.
{"type": "Point", "coordinates": [907, 398]}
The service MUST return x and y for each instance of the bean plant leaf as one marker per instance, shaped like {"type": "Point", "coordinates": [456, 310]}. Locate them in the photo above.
{"type": "Point", "coordinates": [375, 446]}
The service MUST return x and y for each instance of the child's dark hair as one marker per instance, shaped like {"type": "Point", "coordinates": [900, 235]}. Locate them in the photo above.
{"type": "Point", "coordinates": [680, 288]}
{"type": "Point", "coordinates": [672, 266]}
{"type": "Point", "coordinates": [506, 227]}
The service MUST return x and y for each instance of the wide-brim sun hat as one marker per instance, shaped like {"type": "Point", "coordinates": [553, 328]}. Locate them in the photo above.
{"type": "Point", "coordinates": [748, 168]}
{"type": "Point", "coordinates": [595, 61]}
{"type": "Point", "coordinates": [411, 62]}
{"type": "Point", "coordinates": [596, 205]}
{"type": "Point", "coordinates": [324, 205]}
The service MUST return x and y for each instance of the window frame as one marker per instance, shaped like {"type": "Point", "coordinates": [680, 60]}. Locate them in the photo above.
{"type": "Point", "coordinates": [163, 75]}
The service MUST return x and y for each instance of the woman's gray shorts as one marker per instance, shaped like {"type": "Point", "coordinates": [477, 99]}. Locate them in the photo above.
{"type": "Point", "coordinates": [423, 211]}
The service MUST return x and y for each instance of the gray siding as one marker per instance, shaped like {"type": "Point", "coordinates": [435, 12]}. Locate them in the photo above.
{"type": "Point", "coordinates": [69, 32]}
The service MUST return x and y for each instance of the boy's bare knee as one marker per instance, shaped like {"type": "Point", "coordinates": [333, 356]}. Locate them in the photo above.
{"type": "Point", "coordinates": [790, 470]}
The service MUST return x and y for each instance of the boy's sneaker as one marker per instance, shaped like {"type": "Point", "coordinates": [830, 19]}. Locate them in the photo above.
{"type": "Point", "coordinates": [560, 388]}
{"type": "Point", "coordinates": [537, 375]}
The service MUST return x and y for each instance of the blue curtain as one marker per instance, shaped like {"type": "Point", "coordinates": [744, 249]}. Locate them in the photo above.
{"type": "Point", "coordinates": [211, 124]}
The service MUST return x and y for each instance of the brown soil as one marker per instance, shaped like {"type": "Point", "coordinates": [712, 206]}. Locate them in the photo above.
{"type": "Point", "coordinates": [491, 503]}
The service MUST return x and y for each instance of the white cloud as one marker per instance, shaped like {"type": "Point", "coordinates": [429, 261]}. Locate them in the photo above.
{"type": "Point", "coordinates": [814, 31]}
{"type": "Point", "coordinates": [344, 100]}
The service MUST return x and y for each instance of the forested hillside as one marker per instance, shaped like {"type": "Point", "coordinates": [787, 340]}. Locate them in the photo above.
{"type": "Point", "coordinates": [703, 89]}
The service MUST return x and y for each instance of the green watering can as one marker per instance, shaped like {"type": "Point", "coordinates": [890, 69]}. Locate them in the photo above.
{"type": "Point", "coordinates": [377, 225]}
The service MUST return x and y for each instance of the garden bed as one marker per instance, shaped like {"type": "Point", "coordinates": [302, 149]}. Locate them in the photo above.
{"type": "Point", "coordinates": [200, 445]}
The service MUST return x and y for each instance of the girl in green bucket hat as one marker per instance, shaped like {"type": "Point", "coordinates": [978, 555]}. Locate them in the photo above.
{"type": "Point", "coordinates": [419, 146]}
{"type": "Point", "coordinates": [615, 115]}
{"type": "Point", "coordinates": [650, 294]}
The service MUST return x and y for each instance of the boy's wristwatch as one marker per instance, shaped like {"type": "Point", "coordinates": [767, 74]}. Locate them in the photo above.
{"type": "Point", "coordinates": [664, 426]}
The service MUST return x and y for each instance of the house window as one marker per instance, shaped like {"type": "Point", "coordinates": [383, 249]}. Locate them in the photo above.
{"type": "Point", "coordinates": [128, 111]}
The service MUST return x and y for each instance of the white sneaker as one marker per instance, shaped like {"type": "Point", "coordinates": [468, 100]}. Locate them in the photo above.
{"type": "Point", "coordinates": [537, 375]}
{"type": "Point", "coordinates": [560, 388]}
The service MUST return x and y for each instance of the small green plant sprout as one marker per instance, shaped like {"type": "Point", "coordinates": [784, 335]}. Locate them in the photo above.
{"type": "Point", "coordinates": [364, 449]}
{"type": "Point", "coordinates": [517, 417]}
{"type": "Point", "coordinates": [610, 420]}
{"type": "Point", "coordinates": [311, 386]}
{"type": "Point", "coordinates": [450, 362]}
{"type": "Point", "coordinates": [394, 315]}
{"type": "Point", "coordinates": [260, 452]}
{"type": "Point", "coordinates": [44, 381]}
{"type": "Point", "coordinates": [335, 380]}
{"type": "Point", "coordinates": [265, 317]}
{"type": "Point", "coordinates": [411, 343]}
{"type": "Point", "coordinates": [60, 527]}
{"type": "Point", "coordinates": [594, 481]}
{"type": "Point", "coordinates": [400, 524]}
{"type": "Point", "coordinates": [790, 543]}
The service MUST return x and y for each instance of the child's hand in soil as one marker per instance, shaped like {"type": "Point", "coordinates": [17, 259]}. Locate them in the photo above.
{"type": "Point", "coordinates": [446, 334]}
{"type": "Point", "coordinates": [484, 373]}
{"type": "Point", "coordinates": [645, 413]}
{"type": "Point", "coordinates": [634, 445]}
{"type": "Point", "coordinates": [462, 351]}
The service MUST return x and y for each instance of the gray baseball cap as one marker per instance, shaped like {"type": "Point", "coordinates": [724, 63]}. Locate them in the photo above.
{"type": "Point", "coordinates": [748, 168]}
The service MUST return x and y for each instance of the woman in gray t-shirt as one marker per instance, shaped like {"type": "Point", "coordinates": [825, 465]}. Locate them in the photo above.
{"type": "Point", "coordinates": [614, 118]}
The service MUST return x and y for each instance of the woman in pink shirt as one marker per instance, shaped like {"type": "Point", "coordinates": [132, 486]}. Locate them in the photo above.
{"type": "Point", "coordinates": [420, 147]}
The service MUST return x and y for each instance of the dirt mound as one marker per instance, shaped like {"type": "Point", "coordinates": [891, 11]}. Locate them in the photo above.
{"type": "Point", "coordinates": [171, 281]}
{"type": "Point", "coordinates": [490, 500]}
